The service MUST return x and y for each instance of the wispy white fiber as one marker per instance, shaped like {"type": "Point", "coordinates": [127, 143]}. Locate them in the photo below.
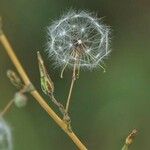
{"type": "Point", "coordinates": [5, 136]}
{"type": "Point", "coordinates": [82, 33]}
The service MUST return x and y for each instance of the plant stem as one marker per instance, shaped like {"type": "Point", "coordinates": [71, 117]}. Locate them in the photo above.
{"type": "Point", "coordinates": [125, 147]}
{"type": "Point", "coordinates": [72, 84]}
{"type": "Point", "coordinates": [7, 107]}
{"type": "Point", "coordinates": [70, 92]}
{"type": "Point", "coordinates": [35, 93]}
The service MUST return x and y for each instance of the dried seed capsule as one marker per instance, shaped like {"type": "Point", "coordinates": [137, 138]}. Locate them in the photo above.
{"type": "Point", "coordinates": [131, 136]}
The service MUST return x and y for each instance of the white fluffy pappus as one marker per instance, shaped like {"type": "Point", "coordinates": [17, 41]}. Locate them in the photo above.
{"type": "Point", "coordinates": [5, 136]}
{"type": "Point", "coordinates": [78, 38]}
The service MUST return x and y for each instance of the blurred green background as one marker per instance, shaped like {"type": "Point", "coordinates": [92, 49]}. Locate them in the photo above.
{"type": "Point", "coordinates": [105, 107]}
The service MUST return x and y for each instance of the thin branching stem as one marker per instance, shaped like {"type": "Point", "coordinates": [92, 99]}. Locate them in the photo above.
{"type": "Point", "coordinates": [35, 93]}
{"type": "Point", "coordinates": [6, 108]}
{"type": "Point", "coordinates": [72, 83]}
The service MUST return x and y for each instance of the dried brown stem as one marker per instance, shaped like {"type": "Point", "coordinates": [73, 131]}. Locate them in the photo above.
{"type": "Point", "coordinates": [35, 94]}
{"type": "Point", "coordinates": [7, 107]}
{"type": "Point", "coordinates": [72, 84]}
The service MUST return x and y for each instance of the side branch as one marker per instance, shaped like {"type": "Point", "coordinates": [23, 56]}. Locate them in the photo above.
{"type": "Point", "coordinates": [35, 94]}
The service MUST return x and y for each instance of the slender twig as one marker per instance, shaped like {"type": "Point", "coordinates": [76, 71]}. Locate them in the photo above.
{"type": "Point", "coordinates": [35, 94]}
{"type": "Point", "coordinates": [7, 107]}
{"type": "Point", "coordinates": [72, 84]}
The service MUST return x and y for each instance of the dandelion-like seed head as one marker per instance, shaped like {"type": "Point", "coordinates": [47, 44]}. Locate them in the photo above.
{"type": "Point", "coordinates": [5, 136]}
{"type": "Point", "coordinates": [78, 38]}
